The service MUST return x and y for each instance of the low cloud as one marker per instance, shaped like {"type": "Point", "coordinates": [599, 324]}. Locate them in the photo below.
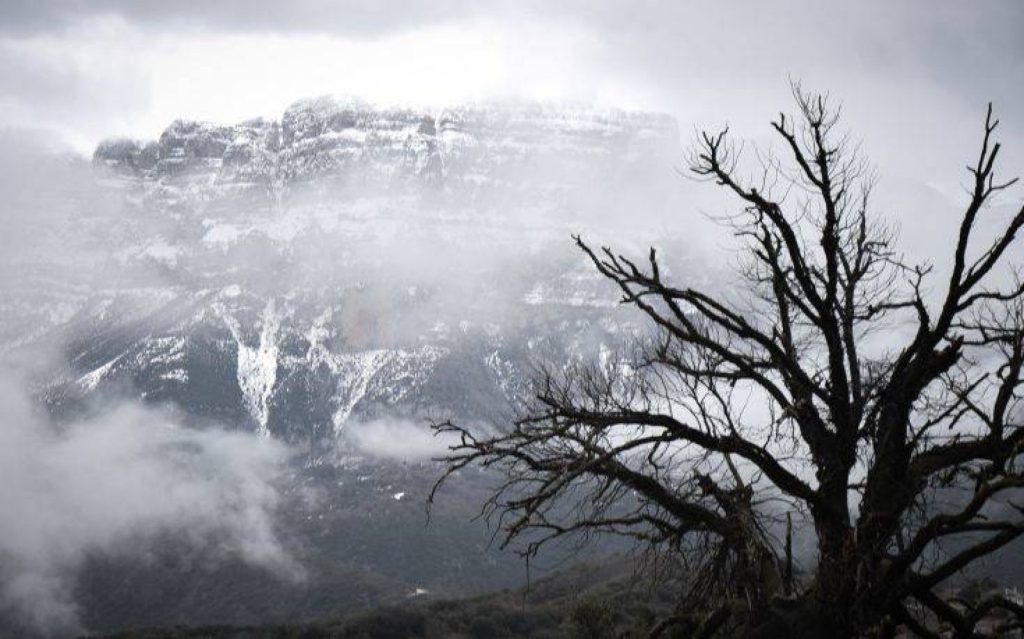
{"type": "Point", "coordinates": [395, 439]}
{"type": "Point", "coordinates": [111, 484]}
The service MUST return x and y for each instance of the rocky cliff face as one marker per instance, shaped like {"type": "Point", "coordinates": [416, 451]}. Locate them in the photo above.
{"type": "Point", "coordinates": [348, 140]}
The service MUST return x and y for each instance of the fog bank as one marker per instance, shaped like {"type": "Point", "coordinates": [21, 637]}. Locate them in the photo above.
{"type": "Point", "coordinates": [111, 484]}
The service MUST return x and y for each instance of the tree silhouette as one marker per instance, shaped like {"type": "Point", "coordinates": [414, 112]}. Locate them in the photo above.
{"type": "Point", "coordinates": [840, 379]}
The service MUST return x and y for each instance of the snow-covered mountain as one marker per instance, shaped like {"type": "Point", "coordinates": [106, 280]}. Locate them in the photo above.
{"type": "Point", "coordinates": [345, 263]}
{"type": "Point", "coordinates": [333, 280]}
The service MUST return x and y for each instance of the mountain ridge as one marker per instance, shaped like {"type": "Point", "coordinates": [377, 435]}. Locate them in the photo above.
{"type": "Point", "coordinates": [316, 136]}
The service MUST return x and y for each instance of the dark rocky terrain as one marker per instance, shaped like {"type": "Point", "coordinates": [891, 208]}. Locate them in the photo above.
{"type": "Point", "coordinates": [588, 600]}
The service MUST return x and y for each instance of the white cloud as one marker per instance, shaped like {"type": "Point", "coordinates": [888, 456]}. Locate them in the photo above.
{"type": "Point", "coordinates": [395, 439]}
{"type": "Point", "coordinates": [110, 78]}
{"type": "Point", "coordinates": [914, 77]}
{"type": "Point", "coordinates": [107, 484]}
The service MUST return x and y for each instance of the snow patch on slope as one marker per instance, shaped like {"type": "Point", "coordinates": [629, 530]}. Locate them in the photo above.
{"type": "Point", "coordinates": [257, 365]}
{"type": "Point", "coordinates": [91, 380]}
{"type": "Point", "coordinates": [385, 374]}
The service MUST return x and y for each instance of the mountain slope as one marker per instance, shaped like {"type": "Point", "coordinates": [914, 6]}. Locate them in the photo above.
{"type": "Point", "coordinates": [333, 280]}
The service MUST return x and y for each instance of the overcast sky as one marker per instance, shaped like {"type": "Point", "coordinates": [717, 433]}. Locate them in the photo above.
{"type": "Point", "coordinates": [914, 76]}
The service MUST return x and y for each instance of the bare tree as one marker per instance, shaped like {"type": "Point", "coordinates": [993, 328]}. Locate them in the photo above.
{"type": "Point", "coordinates": [836, 380]}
